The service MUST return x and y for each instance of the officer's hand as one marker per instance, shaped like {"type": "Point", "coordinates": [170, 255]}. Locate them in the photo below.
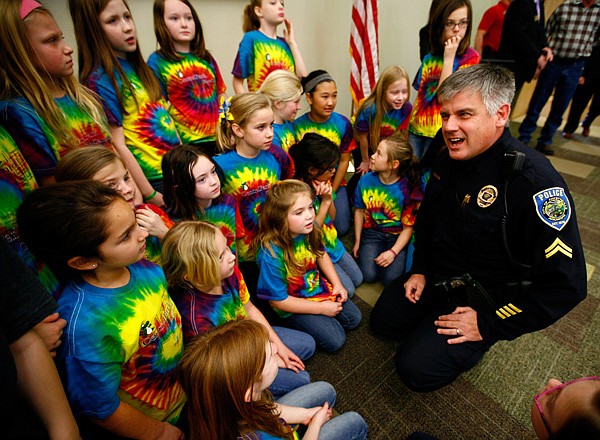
{"type": "Point", "coordinates": [414, 287]}
{"type": "Point", "coordinates": [461, 325]}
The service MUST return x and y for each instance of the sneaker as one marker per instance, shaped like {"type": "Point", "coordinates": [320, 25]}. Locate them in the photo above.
{"type": "Point", "coordinates": [586, 131]}
{"type": "Point", "coordinates": [544, 149]}
{"type": "Point", "coordinates": [567, 135]}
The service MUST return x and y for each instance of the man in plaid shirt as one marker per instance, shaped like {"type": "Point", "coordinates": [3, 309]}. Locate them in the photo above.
{"type": "Point", "coordinates": [570, 29]}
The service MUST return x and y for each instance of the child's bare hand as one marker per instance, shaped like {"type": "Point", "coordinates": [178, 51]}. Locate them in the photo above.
{"type": "Point", "coordinates": [151, 222]}
{"type": "Point", "coordinates": [364, 167]}
{"type": "Point", "coordinates": [451, 45]}
{"type": "Point", "coordinates": [288, 32]}
{"type": "Point", "coordinates": [385, 258]}
{"type": "Point", "coordinates": [169, 432]}
{"type": "Point", "coordinates": [50, 329]}
{"type": "Point", "coordinates": [340, 293]}
{"type": "Point", "coordinates": [322, 416]}
{"type": "Point", "coordinates": [331, 308]}
{"type": "Point", "coordinates": [323, 189]}
{"type": "Point", "coordinates": [290, 360]}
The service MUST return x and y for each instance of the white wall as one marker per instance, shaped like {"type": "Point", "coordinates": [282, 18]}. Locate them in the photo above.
{"type": "Point", "coordinates": [322, 30]}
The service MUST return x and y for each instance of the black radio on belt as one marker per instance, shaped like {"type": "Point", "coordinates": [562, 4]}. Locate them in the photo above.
{"type": "Point", "coordinates": [477, 296]}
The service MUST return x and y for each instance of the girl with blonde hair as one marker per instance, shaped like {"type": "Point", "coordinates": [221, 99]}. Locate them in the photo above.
{"type": "Point", "coordinates": [209, 290]}
{"type": "Point", "coordinates": [296, 275]}
{"type": "Point", "coordinates": [44, 109]}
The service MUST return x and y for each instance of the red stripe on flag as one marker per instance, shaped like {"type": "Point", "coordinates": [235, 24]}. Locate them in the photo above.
{"type": "Point", "coordinates": [364, 49]}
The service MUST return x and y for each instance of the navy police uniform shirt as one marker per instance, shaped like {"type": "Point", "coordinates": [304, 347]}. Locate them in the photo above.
{"type": "Point", "coordinates": [458, 231]}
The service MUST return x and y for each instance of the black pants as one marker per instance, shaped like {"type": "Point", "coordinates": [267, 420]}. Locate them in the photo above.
{"type": "Point", "coordinates": [424, 359]}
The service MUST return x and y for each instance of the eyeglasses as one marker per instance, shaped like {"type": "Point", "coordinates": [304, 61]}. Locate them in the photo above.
{"type": "Point", "coordinates": [537, 398]}
{"type": "Point", "coordinates": [449, 25]}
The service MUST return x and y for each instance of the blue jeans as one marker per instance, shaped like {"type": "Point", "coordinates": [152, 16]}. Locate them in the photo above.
{"type": "Point", "coordinates": [347, 426]}
{"type": "Point", "coordinates": [562, 79]}
{"type": "Point", "coordinates": [349, 273]}
{"type": "Point", "coordinates": [329, 333]}
{"type": "Point", "coordinates": [303, 345]}
{"type": "Point", "coordinates": [372, 243]}
{"type": "Point", "coordinates": [342, 209]}
{"type": "Point", "coordinates": [419, 143]}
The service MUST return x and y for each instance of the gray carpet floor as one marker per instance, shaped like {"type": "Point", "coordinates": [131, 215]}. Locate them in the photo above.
{"type": "Point", "coordinates": [493, 400]}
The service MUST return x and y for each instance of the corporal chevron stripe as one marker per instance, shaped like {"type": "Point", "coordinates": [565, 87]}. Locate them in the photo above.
{"type": "Point", "coordinates": [364, 49]}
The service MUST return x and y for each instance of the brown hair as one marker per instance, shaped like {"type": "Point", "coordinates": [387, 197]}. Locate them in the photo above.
{"type": "Point", "coordinates": [438, 23]}
{"type": "Point", "coordinates": [273, 226]}
{"type": "Point", "coordinates": [398, 148]}
{"type": "Point", "coordinates": [217, 370]}
{"type": "Point", "coordinates": [251, 20]}
{"type": "Point", "coordinates": [165, 40]}
{"type": "Point", "coordinates": [94, 50]}
{"type": "Point", "coordinates": [84, 163]}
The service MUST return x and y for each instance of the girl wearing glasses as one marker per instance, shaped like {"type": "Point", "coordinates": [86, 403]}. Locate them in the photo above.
{"type": "Point", "coordinates": [450, 36]}
{"type": "Point", "coordinates": [569, 410]}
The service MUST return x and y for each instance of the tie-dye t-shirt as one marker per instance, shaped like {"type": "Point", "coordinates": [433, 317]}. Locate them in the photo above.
{"type": "Point", "coordinates": [259, 55]}
{"type": "Point", "coordinates": [192, 86]}
{"type": "Point", "coordinates": [261, 435]}
{"type": "Point", "coordinates": [201, 311]}
{"type": "Point", "coordinates": [248, 181]}
{"type": "Point", "coordinates": [123, 344]}
{"type": "Point", "coordinates": [388, 208]}
{"type": "Point", "coordinates": [40, 148]}
{"type": "Point", "coordinates": [426, 119]}
{"type": "Point", "coordinates": [284, 135]}
{"type": "Point", "coordinates": [337, 129]}
{"type": "Point", "coordinates": [226, 216]}
{"type": "Point", "coordinates": [334, 247]}
{"type": "Point", "coordinates": [148, 127]}
{"type": "Point", "coordinates": [286, 163]}
{"type": "Point", "coordinates": [391, 122]}
{"type": "Point", "coordinates": [16, 181]}
{"type": "Point", "coordinates": [276, 282]}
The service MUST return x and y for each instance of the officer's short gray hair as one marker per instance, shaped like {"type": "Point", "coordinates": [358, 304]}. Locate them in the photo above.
{"type": "Point", "coordinates": [495, 84]}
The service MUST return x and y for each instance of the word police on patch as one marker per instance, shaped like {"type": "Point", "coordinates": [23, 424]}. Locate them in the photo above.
{"type": "Point", "coordinates": [553, 207]}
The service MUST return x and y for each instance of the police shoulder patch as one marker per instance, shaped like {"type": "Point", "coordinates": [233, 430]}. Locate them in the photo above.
{"type": "Point", "coordinates": [553, 207]}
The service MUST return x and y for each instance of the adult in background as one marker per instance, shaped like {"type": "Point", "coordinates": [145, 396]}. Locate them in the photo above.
{"type": "Point", "coordinates": [489, 32]}
{"type": "Point", "coordinates": [571, 29]}
{"type": "Point", "coordinates": [524, 46]}
{"type": "Point", "coordinates": [497, 251]}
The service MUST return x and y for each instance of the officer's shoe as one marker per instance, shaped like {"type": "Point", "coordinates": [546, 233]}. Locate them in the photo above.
{"type": "Point", "coordinates": [544, 149]}
{"type": "Point", "coordinates": [567, 135]}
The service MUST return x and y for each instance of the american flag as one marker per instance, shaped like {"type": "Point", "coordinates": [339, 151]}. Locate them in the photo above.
{"type": "Point", "coordinates": [364, 49]}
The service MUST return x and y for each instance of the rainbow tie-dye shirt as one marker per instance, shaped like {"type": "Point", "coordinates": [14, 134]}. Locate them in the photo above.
{"type": "Point", "coordinates": [426, 119]}
{"type": "Point", "coordinates": [192, 86]}
{"type": "Point", "coordinates": [40, 148]}
{"type": "Point", "coordinates": [148, 127]}
{"type": "Point", "coordinates": [276, 282]}
{"type": "Point", "coordinates": [247, 181]}
{"type": "Point", "coordinates": [201, 311]}
{"type": "Point", "coordinates": [391, 122]}
{"type": "Point", "coordinates": [284, 135]}
{"type": "Point", "coordinates": [226, 216]}
{"type": "Point", "coordinates": [334, 247]}
{"type": "Point", "coordinates": [388, 208]}
{"type": "Point", "coordinates": [261, 435]}
{"type": "Point", "coordinates": [259, 55]}
{"type": "Point", "coordinates": [16, 181]}
{"type": "Point", "coordinates": [123, 344]}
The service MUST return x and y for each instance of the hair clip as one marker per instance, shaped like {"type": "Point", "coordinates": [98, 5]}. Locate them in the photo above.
{"type": "Point", "coordinates": [224, 113]}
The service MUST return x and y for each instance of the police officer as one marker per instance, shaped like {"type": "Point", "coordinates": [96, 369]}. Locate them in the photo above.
{"type": "Point", "coordinates": [497, 251]}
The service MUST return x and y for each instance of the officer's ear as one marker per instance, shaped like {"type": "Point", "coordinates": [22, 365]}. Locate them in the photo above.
{"type": "Point", "coordinates": [502, 115]}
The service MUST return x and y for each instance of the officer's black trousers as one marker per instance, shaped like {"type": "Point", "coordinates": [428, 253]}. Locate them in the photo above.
{"type": "Point", "coordinates": [424, 359]}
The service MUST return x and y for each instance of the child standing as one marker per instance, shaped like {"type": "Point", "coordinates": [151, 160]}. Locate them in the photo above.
{"type": "Point", "coordinates": [284, 90]}
{"type": "Point", "coordinates": [209, 290]}
{"type": "Point", "coordinates": [450, 30]}
{"type": "Point", "coordinates": [321, 95]}
{"type": "Point", "coordinates": [385, 211]}
{"type": "Point", "coordinates": [385, 111]}
{"type": "Point", "coordinates": [188, 74]}
{"type": "Point", "coordinates": [112, 65]}
{"type": "Point", "coordinates": [192, 182]}
{"type": "Point", "coordinates": [316, 159]}
{"type": "Point", "coordinates": [104, 166]}
{"type": "Point", "coordinates": [123, 339]}
{"type": "Point", "coordinates": [226, 375]}
{"type": "Point", "coordinates": [44, 109]}
{"type": "Point", "coordinates": [246, 132]}
{"type": "Point", "coordinates": [261, 50]}
{"type": "Point", "coordinates": [296, 274]}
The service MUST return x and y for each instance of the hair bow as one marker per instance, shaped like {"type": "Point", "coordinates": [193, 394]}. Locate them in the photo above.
{"type": "Point", "coordinates": [224, 113]}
